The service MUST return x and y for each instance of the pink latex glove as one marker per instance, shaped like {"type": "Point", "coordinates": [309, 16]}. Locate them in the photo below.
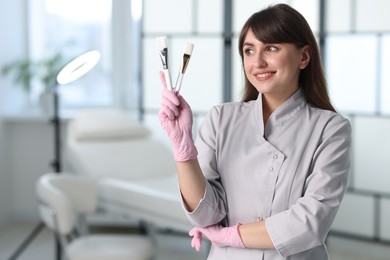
{"type": "Point", "coordinates": [218, 235]}
{"type": "Point", "coordinates": [175, 116]}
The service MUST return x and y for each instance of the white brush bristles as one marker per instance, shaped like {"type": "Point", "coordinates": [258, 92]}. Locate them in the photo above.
{"type": "Point", "coordinates": [188, 48]}
{"type": "Point", "coordinates": [162, 42]}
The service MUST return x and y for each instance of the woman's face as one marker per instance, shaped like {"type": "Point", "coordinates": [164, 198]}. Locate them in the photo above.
{"type": "Point", "coordinates": [273, 69]}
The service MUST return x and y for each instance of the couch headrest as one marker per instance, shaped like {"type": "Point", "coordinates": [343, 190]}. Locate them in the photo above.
{"type": "Point", "coordinates": [107, 124]}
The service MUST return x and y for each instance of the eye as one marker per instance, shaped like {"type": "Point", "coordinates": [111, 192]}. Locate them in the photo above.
{"type": "Point", "coordinates": [248, 51]}
{"type": "Point", "coordinates": [272, 48]}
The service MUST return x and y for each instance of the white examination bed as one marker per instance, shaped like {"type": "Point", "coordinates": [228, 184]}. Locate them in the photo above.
{"type": "Point", "coordinates": [135, 173]}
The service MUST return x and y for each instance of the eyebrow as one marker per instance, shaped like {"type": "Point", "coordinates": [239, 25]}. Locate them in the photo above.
{"type": "Point", "coordinates": [248, 44]}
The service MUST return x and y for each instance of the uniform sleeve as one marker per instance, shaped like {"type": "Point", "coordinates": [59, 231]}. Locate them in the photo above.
{"type": "Point", "coordinates": [306, 223]}
{"type": "Point", "coordinates": [212, 208]}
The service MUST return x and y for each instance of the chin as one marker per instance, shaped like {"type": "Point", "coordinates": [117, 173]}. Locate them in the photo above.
{"type": "Point", "coordinates": [264, 90]}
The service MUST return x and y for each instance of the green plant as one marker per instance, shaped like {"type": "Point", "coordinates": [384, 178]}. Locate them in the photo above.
{"type": "Point", "coordinates": [23, 72]}
{"type": "Point", "coordinates": [45, 70]}
{"type": "Point", "coordinates": [49, 69]}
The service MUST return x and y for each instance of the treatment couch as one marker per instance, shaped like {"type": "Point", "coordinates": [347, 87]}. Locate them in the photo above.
{"type": "Point", "coordinates": [135, 174]}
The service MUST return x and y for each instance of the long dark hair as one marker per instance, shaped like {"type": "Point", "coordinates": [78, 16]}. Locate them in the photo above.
{"type": "Point", "coordinates": [282, 24]}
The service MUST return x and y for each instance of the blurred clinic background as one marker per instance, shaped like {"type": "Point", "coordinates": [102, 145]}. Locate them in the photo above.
{"type": "Point", "coordinates": [354, 38]}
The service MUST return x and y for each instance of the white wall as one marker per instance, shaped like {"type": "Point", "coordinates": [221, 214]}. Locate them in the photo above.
{"type": "Point", "coordinates": [4, 180]}
{"type": "Point", "coordinates": [12, 28]}
{"type": "Point", "coordinates": [30, 146]}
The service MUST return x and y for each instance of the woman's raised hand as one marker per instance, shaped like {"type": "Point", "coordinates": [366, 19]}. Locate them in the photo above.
{"type": "Point", "coordinates": [175, 116]}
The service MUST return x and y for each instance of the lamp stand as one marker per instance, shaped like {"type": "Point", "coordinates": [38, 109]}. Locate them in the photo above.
{"type": "Point", "coordinates": [56, 164]}
{"type": "Point", "coordinates": [57, 167]}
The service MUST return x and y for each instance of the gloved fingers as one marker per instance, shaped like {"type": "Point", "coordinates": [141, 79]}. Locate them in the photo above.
{"type": "Point", "coordinates": [183, 102]}
{"type": "Point", "coordinates": [167, 103]}
{"type": "Point", "coordinates": [194, 232]}
{"type": "Point", "coordinates": [209, 231]}
{"type": "Point", "coordinates": [213, 233]}
{"type": "Point", "coordinates": [167, 113]}
{"type": "Point", "coordinates": [162, 79]}
{"type": "Point", "coordinates": [196, 241]}
{"type": "Point", "coordinates": [198, 232]}
{"type": "Point", "coordinates": [169, 96]}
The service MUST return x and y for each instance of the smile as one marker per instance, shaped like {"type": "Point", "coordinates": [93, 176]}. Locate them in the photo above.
{"type": "Point", "coordinates": [265, 75]}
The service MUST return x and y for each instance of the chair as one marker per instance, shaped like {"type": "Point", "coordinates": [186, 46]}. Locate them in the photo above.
{"type": "Point", "coordinates": [64, 199]}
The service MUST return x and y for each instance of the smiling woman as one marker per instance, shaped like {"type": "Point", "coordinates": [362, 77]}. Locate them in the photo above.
{"type": "Point", "coordinates": [264, 177]}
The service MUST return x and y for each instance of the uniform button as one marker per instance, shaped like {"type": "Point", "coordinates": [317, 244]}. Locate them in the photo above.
{"type": "Point", "coordinates": [275, 156]}
{"type": "Point", "coordinates": [271, 169]}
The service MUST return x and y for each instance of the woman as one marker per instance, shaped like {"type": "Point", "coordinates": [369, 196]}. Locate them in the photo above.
{"type": "Point", "coordinates": [272, 169]}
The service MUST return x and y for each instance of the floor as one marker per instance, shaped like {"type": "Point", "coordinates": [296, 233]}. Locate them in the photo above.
{"type": "Point", "coordinates": [169, 246]}
{"type": "Point", "coordinates": [172, 246]}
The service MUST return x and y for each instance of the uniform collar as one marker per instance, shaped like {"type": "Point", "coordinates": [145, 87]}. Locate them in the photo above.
{"type": "Point", "coordinates": [282, 115]}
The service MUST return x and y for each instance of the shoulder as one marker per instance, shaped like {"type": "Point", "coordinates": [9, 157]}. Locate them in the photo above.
{"type": "Point", "coordinates": [225, 115]}
{"type": "Point", "coordinates": [230, 109]}
{"type": "Point", "coordinates": [333, 123]}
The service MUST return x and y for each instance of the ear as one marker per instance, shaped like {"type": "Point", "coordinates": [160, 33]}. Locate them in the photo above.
{"type": "Point", "coordinates": [305, 57]}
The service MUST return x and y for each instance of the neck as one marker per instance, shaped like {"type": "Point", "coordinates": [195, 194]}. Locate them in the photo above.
{"type": "Point", "coordinates": [272, 102]}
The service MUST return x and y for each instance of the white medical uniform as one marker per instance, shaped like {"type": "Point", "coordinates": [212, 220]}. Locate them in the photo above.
{"type": "Point", "coordinates": [292, 172]}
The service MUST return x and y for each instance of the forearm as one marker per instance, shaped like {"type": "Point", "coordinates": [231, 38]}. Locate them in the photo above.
{"type": "Point", "coordinates": [255, 235]}
{"type": "Point", "coordinates": [192, 183]}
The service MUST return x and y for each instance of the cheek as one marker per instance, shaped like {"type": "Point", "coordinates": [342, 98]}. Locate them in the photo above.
{"type": "Point", "coordinates": [295, 67]}
{"type": "Point", "coordinates": [295, 61]}
{"type": "Point", "coordinates": [289, 64]}
{"type": "Point", "coordinates": [247, 66]}
{"type": "Point", "coordinates": [247, 72]}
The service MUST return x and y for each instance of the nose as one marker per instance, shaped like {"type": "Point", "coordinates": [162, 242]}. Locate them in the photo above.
{"type": "Point", "coordinates": [260, 60]}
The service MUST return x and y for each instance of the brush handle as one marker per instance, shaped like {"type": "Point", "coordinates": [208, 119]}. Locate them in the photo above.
{"type": "Point", "coordinates": [168, 79]}
{"type": "Point", "coordinates": [178, 82]}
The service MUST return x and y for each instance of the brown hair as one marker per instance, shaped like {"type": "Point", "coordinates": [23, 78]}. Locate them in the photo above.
{"type": "Point", "coordinates": [283, 24]}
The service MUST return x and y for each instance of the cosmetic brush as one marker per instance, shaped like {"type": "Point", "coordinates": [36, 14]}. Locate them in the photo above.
{"type": "Point", "coordinates": [186, 59]}
{"type": "Point", "coordinates": [163, 51]}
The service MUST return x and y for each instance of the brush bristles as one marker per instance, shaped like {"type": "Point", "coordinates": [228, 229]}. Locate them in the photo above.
{"type": "Point", "coordinates": [188, 48]}
{"type": "Point", "coordinates": [162, 42]}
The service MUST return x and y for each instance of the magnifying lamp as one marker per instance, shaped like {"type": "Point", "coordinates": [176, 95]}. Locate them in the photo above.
{"type": "Point", "coordinates": [72, 71]}
{"type": "Point", "coordinates": [78, 67]}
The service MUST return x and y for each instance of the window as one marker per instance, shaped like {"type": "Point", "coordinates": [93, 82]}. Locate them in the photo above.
{"type": "Point", "coordinates": [350, 93]}
{"type": "Point", "coordinates": [73, 27]}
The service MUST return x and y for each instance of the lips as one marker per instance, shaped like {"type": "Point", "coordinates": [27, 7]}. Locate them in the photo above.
{"type": "Point", "coordinates": [264, 75]}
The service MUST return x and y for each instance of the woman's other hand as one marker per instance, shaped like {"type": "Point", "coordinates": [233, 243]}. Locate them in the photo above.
{"type": "Point", "coordinates": [218, 235]}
